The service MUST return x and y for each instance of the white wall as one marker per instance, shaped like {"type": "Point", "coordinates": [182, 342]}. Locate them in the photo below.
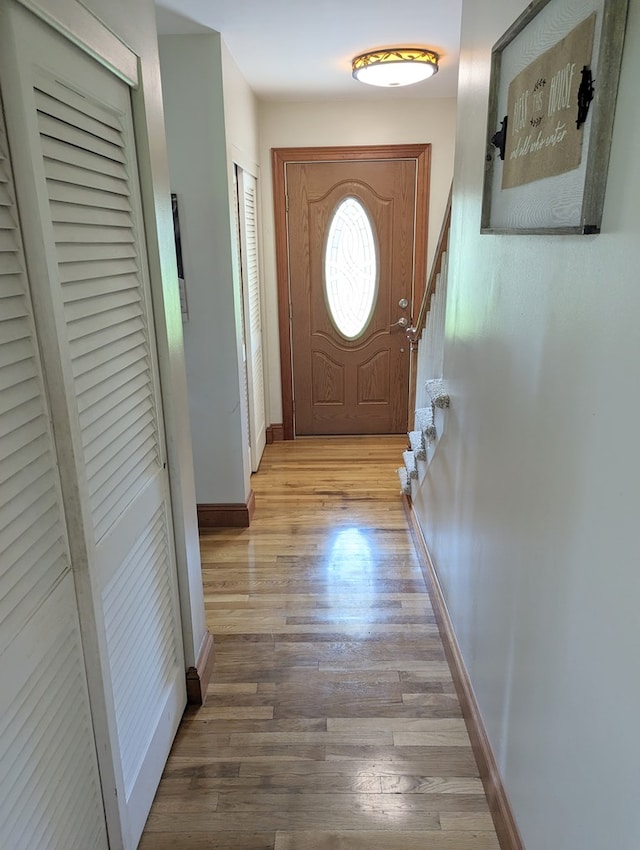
{"type": "Point", "coordinates": [384, 122]}
{"type": "Point", "coordinates": [135, 25]}
{"type": "Point", "coordinates": [531, 505]}
{"type": "Point", "coordinates": [198, 141]}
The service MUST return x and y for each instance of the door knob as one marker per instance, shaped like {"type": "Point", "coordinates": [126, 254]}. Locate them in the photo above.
{"type": "Point", "coordinates": [402, 322]}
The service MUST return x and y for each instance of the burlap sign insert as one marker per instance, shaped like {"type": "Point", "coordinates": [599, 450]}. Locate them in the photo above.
{"type": "Point", "coordinates": [542, 137]}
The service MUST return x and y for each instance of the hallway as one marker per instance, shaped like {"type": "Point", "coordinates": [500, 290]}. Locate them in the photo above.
{"type": "Point", "coordinates": [332, 721]}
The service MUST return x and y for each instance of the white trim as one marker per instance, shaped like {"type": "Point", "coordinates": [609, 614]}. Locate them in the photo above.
{"type": "Point", "coordinates": [237, 157]}
{"type": "Point", "coordinates": [75, 22]}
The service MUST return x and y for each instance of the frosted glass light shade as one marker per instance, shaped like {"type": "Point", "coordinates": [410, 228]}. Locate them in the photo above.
{"type": "Point", "coordinates": [398, 67]}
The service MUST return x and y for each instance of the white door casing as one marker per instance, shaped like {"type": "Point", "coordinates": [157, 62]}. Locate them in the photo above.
{"type": "Point", "coordinates": [72, 118]}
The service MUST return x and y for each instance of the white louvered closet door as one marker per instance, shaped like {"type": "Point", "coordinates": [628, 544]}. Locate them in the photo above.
{"type": "Point", "coordinates": [50, 795]}
{"type": "Point", "coordinates": [247, 197]}
{"type": "Point", "coordinates": [78, 121]}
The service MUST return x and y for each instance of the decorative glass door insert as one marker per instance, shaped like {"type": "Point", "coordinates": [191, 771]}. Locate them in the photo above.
{"type": "Point", "coordinates": [350, 269]}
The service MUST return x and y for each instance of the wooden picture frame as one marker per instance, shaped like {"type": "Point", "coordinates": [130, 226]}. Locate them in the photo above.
{"type": "Point", "coordinates": [546, 191]}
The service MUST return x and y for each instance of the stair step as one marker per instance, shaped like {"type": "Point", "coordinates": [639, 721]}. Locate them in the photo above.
{"type": "Point", "coordinates": [426, 423]}
{"type": "Point", "coordinates": [405, 481]}
{"type": "Point", "coordinates": [410, 463]}
{"type": "Point", "coordinates": [437, 393]}
{"type": "Point", "coordinates": [416, 439]}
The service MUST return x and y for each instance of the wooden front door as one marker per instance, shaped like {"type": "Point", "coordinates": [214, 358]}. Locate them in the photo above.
{"type": "Point", "coordinates": [351, 235]}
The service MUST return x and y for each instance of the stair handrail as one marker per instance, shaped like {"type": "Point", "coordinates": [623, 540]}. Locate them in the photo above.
{"type": "Point", "coordinates": [414, 332]}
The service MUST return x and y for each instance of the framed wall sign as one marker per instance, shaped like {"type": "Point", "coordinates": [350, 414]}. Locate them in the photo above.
{"type": "Point", "coordinates": [552, 97]}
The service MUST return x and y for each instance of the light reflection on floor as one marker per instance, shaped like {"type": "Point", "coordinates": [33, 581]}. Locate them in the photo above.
{"type": "Point", "coordinates": [350, 560]}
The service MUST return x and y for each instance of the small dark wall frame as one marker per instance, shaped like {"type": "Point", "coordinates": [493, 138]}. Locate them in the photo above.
{"type": "Point", "coordinates": [184, 307]}
{"type": "Point", "coordinates": [571, 202]}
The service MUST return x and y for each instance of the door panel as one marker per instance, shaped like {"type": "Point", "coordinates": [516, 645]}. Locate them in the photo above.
{"type": "Point", "coordinates": [345, 385]}
{"type": "Point", "coordinates": [93, 307]}
{"type": "Point", "coordinates": [50, 789]}
{"type": "Point", "coordinates": [50, 793]}
{"type": "Point", "coordinates": [374, 379]}
{"type": "Point", "coordinates": [248, 226]}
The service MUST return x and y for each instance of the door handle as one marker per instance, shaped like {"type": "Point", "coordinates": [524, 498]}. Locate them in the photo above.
{"type": "Point", "coordinates": [402, 322]}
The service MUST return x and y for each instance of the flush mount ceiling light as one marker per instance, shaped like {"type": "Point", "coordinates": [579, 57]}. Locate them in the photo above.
{"type": "Point", "coordinates": [399, 66]}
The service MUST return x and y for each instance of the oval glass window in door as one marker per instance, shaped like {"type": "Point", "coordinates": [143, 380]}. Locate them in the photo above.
{"type": "Point", "coordinates": [350, 268]}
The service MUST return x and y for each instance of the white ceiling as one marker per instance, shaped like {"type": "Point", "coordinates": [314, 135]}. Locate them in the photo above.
{"type": "Point", "coordinates": [302, 49]}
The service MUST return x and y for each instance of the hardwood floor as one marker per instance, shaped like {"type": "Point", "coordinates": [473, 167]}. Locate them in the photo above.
{"type": "Point", "coordinates": [332, 722]}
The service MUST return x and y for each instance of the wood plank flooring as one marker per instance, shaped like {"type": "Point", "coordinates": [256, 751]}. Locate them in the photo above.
{"type": "Point", "coordinates": [332, 721]}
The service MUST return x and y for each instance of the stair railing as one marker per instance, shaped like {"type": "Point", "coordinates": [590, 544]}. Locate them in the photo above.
{"type": "Point", "coordinates": [415, 331]}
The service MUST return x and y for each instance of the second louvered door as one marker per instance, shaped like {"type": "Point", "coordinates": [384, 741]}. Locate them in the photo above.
{"type": "Point", "coordinates": [247, 204]}
{"type": "Point", "coordinates": [97, 312]}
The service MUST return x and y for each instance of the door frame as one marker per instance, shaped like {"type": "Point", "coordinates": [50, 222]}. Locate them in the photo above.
{"type": "Point", "coordinates": [280, 157]}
